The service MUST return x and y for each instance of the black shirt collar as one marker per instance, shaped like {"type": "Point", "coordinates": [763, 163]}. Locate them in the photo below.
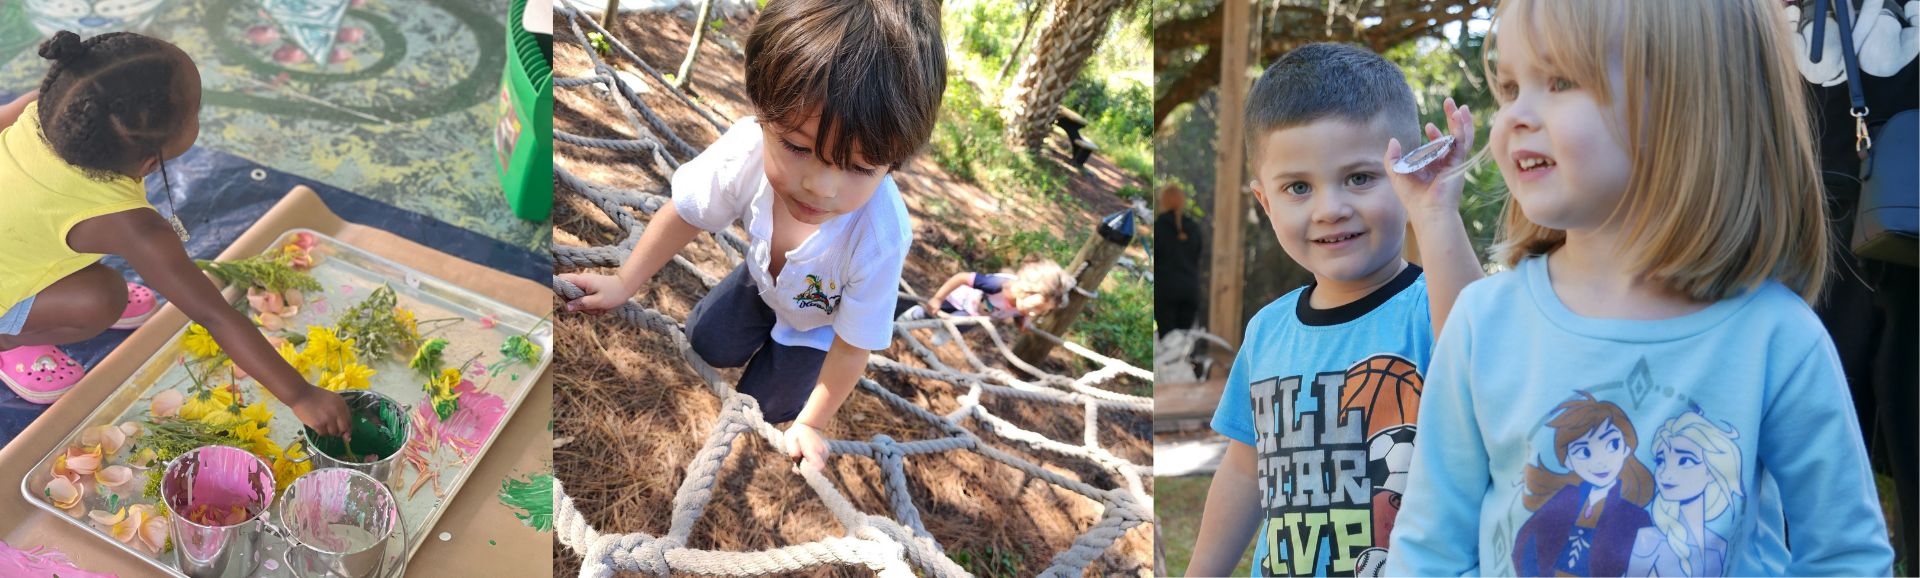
{"type": "Point", "coordinates": [1362, 306]}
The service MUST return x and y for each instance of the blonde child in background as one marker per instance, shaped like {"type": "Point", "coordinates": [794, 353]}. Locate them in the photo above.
{"type": "Point", "coordinates": [1646, 391]}
{"type": "Point", "coordinates": [1037, 288]}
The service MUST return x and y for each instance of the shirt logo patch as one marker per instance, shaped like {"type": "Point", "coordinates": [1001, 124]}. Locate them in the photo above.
{"type": "Point", "coordinates": [814, 297]}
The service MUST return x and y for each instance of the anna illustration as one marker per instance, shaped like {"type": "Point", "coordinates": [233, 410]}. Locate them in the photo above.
{"type": "Point", "coordinates": [1584, 522]}
{"type": "Point", "coordinates": [1698, 467]}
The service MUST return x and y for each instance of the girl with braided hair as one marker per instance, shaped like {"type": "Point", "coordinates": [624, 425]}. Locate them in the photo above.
{"type": "Point", "coordinates": [73, 156]}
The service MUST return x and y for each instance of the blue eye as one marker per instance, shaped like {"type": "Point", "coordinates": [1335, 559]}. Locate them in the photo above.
{"type": "Point", "coordinates": [1613, 445]}
{"type": "Point", "coordinates": [1357, 180]}
{"type": "Point", "coordinates": [1582, 453]}
{"type": "Point", "coordinates": [1557, 84]}
{"type": "Point", "coordinates": [1506, 90]}
{"type": "Point", "coordinates": [1297, 189]}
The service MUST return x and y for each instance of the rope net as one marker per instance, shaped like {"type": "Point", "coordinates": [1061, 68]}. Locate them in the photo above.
{"type": "Point", "coordinates": [895, 545]}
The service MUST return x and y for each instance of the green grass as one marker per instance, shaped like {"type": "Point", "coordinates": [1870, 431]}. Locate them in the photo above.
{"type": "Point", "coordinates": [992, 562]}
{"type": "Point", "coordinates": [1178, 502]}
{"type": "Point", "coordinates": [967, 143]}
{"type": "Point", "coordinates": [1120, 321]}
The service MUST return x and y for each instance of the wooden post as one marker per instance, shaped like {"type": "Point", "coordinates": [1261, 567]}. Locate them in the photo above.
{"type": "Point", "coordinates": [606, 20]}
{"type": "Point", "coordinates": [1229, 203]}
{"type": "Point", "coordinates": [1089, 267]}
{"type": "Point", "coordinates": [680, 81]}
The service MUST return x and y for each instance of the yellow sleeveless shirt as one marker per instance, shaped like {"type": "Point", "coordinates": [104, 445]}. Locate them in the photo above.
{"type": "Point", "coordinates": [41, 199]}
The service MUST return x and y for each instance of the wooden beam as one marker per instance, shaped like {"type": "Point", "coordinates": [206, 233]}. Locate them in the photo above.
{"type": "Point", "coordinates": [1227, 276]}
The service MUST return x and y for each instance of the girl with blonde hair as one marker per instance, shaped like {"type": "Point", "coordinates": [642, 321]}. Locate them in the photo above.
{"type": "Point", "coordinates": [1664, 235]}
{"type": "Point", "coordinates": [1697, 468]}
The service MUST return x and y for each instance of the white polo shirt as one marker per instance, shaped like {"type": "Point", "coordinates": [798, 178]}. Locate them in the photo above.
{"type": "Point", "coordinates": [842, 280]}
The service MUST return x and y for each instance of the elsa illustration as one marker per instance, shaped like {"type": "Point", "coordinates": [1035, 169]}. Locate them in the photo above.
{"type": "Point", "coordinates": [1584, 521]}
{"type": "Point", "coordinates": [1697, 467]}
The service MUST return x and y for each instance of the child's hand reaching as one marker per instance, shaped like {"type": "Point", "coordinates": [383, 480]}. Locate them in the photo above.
{"type": "Point", "coordinates": [603, 292]}
{"type": "Point", "coordinates": [322, 410]}
{"type": "Point", "coordinates": [806, 447]}
{"type": "Point", "coordinates": [1429, 189]}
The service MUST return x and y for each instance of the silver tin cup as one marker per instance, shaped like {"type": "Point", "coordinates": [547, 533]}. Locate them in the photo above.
{"type": "Point", "coordinates": [368, 412]}
{"type": "Point", "coordinates": [219, 497]}
{"type": "Point", "coordinates": [338, 524]}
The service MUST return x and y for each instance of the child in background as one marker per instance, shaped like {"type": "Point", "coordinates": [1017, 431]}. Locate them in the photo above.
{"type": "Point", "coordinates": [846, 92]}
{"type": "Point", "coordinates": [1038, 288]}
{"type": "Point", "coordinates": [111, 109]}
{"type": "Point", "coordinates": [1665, 232]}
{"type": "Point", "coordinates": [1322, 400]}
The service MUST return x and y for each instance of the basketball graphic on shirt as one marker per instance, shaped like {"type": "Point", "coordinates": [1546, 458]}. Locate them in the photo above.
{"type": "Point", "coordinates": [1386, 388]}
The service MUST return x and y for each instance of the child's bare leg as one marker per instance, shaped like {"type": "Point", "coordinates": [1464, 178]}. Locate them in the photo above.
{"type": "Point", "coordinates": [73, 309]}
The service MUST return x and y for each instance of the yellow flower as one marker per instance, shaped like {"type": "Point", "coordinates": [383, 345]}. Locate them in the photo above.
{"type": "Point", "coordinates": [257, 413]}
{"type": "Point", "coordinates": [199, 343]}
{"type": "Point", "coordinates": [250, 432]}
{"type": "Point", "coordinates": [327, 350]}
{"type": "Point", "coordinates": [266, 449]}
{"type": "Point", "coordinates": [285, 470]}
{"type": "Point", "coordinates": [405, 316]}
{"type": "Point", "coordinates": [442, 387]}
{"type": "Point", "coordinates": [221, 417]}
{"type": "Point", "coordinates": [352, 376]}
{"type": "Point", "coordinates": [301, 362]}
{"type": "Point", "coordinates": [206, 402]}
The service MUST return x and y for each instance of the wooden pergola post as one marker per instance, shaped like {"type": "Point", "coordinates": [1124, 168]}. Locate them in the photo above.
{"type": "Point", "coordinates": [1227, 277]}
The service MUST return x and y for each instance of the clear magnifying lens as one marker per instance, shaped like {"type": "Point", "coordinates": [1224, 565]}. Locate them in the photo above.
{"type": "Point", "coordinates": [1419, 158]}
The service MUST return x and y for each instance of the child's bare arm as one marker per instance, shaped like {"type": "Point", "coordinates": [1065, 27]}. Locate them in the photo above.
{"type": "Point", "coordinates": [666, 234]}
{"type": "Point", "coordinates": [1432, 198]}
{"type": "Point", "coordinates": [940, 296]}
{"type": "Point", "coordinates": [842, 369]}
{"type": "Point", "coordinates": [11, 111]}
{"type": "Point", "coordinates": [149, 244]}
{"type": "Point", "coordinates": [1231, 516]}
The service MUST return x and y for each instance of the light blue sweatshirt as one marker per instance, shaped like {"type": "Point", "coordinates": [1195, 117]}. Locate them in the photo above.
{"type": "Point", "coordinates": [1552, 442]}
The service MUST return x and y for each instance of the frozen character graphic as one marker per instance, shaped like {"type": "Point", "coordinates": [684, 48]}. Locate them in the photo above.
{"type": "Point", "coordinates": [1697, 467]}
{"type": "Point", "coordinates": [1584, 521]}
{"type": "Point", "coordinates": [814, 297]}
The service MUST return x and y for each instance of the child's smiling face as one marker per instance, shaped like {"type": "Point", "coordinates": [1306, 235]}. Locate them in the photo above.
{"type": "Point", "coordinates": [813, 191]}
{"type": "Point", "coordinates": [1554, 141]}
{"type": "Point", "coordinates": [1325, 190]}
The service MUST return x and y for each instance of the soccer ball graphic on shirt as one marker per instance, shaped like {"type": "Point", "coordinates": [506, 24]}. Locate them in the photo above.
{"type": "Point", "coordinates": [1388, 455]}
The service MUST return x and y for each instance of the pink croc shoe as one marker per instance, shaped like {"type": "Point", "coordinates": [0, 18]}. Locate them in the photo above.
{"type": "Point", "coordinates": [141, 303]}
{"type": "Point", "coordinates": [39, 373]}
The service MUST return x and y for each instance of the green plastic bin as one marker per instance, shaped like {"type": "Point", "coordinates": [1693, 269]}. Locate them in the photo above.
{"type": "Point", "coordinates": [523, 136]}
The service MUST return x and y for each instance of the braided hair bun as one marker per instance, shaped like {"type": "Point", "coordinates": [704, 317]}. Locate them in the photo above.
{"type": "Point", "coordinates": [64, 46]}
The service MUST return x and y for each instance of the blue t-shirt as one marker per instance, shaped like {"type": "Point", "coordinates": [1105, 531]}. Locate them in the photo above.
{"type": "Point", "coordinates": [1327, 398]}
{"type": "Point", "coordinates": [1556, 443]}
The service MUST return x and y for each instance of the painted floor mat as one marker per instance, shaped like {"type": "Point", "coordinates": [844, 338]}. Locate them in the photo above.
{"type": "Point", "coordinates": [392, 99]}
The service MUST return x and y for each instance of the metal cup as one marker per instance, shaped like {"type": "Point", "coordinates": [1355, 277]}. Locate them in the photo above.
{"type": "Point", "coordinates": [338, 524]}
{"type": "Point", "coordinates": [218, 496]}
{"type": "Point", "coordinates": [380, 426]}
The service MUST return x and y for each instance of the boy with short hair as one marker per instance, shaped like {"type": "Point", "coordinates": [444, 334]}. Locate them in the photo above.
{"type": "Point", "coordinates": [1321, 402]}
{"type": "Point", "coordinates": [846, 92]}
